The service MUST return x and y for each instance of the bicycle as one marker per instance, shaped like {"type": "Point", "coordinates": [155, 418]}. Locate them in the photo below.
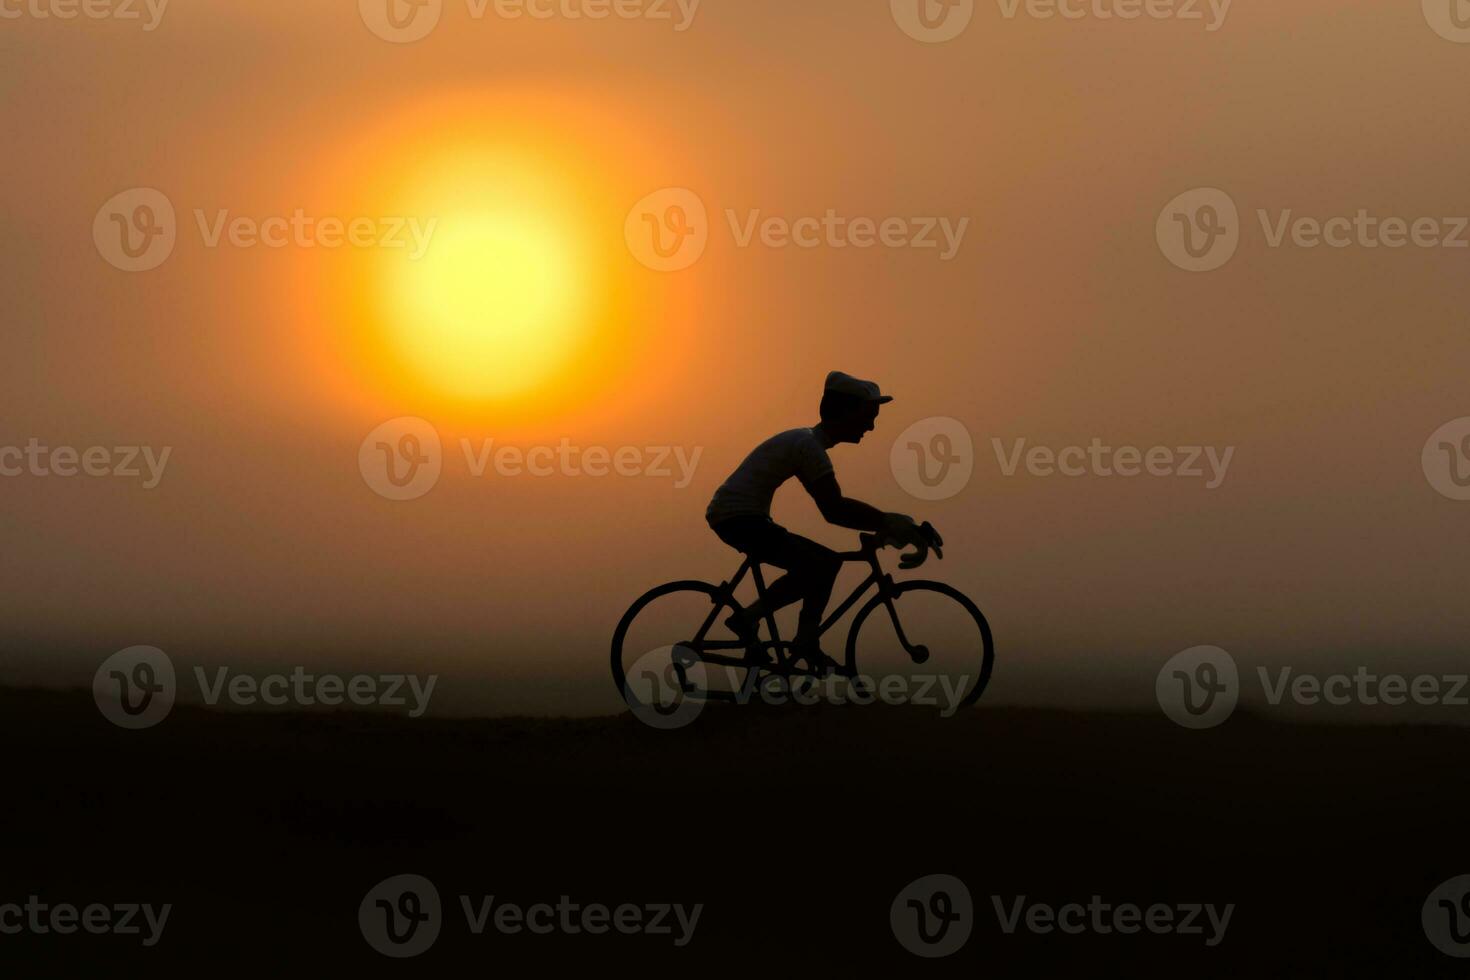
{"type": "Point", "coordinates": [713, 644]}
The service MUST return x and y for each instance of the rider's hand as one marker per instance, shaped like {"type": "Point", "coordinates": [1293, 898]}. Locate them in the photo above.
{"type": "Point", "coordinates": [901, 531]}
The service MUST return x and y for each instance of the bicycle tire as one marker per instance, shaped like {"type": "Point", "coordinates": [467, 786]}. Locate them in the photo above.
{"type": "Point", "coordinates": [987, 658]}
{"type": "Point", "coordinates": [619, 666]}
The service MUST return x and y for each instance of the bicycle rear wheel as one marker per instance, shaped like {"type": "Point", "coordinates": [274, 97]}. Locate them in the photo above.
{"type": "Point", "coordinates": [935, 647]}
{"type": "Point", "coordinates": [672, 646]}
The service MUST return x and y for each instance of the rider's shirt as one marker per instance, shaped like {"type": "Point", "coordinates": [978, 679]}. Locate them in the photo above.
{"type": "Point", "coordinates": [801, 453]}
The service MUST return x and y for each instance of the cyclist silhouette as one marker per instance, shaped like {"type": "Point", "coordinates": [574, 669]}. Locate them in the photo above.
{"type": "Point", "coordinates": [740, 514]}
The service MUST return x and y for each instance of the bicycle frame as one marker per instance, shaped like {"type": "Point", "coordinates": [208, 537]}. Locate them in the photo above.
{"type": "Point", "coordinates": [782, 648]}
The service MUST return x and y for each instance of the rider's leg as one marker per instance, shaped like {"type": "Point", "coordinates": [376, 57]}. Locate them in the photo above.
{"type": "Point", "coordinates": [818, 575]}
{"type": "Point", "coordinates": [811, 571]}
{"type": "Point", "coordinates": [769, 543]}
{"type": "Point", "coordinates": [781, 593]}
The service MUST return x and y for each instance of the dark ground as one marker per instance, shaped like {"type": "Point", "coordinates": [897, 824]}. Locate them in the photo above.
{"type": "Point", "coordinates": [795, 828]}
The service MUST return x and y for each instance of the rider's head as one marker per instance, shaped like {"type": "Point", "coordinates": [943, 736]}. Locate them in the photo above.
{"type": "Point", "coordinates": [850, 407]}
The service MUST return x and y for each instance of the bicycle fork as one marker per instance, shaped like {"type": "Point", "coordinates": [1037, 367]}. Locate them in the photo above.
{"type": "Point", "coordinates": [917, 652]}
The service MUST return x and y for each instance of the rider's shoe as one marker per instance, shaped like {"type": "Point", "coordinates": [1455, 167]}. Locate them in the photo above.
{"type": "Point", "coordinates": [818, 662]}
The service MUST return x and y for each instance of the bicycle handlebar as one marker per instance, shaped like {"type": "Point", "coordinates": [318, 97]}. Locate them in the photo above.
{"type": "Point", "coordinates": [869, 544]}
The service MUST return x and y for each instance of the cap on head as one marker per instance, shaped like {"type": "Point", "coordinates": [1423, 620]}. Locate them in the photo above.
{"type": "Point", "coordinates": [845, 384]}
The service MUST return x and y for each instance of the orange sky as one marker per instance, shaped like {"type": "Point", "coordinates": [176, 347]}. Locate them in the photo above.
{"type": "Point", "coordinates": [1057, 321]}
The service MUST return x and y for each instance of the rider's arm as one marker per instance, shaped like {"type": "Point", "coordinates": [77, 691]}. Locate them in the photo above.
{"type": "Point", "coordinates": [847, 512]}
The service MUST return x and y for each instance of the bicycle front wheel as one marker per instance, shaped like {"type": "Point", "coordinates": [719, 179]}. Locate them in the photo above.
{"type": "Point", "coordinates": [930, 645]}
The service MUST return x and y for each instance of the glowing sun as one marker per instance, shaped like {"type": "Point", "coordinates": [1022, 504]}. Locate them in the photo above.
{"type": "Point", "coordinates": [499, 301]}
{"type": "Point", "coordinates": [511, 294]}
